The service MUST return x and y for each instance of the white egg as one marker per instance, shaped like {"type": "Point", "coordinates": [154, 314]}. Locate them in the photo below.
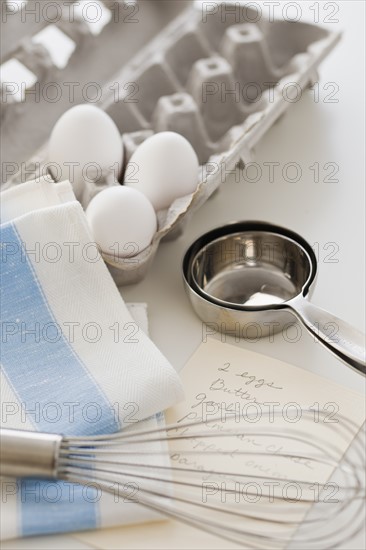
{"type": "Point", "coordinates": [164, 167]}
{"type": "Point", "coordinates": [122, 220]}
{"type": "Point", "coordinates": [85, 144]}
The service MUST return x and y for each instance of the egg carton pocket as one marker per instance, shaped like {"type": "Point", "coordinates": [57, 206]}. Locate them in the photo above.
{"type": "Point", "coordinates": [221, 82]}
{"type": "Point", "coordinates": [134, 267]}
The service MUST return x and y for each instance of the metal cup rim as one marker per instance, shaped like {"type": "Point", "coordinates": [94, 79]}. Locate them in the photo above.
{"type": "Point", "coordinates": [238, 227]}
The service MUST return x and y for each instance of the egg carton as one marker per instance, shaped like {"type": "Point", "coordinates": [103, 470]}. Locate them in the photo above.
{"type": "Point", "coordinates": [221, 81]}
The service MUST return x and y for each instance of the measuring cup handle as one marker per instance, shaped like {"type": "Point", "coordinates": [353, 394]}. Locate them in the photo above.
{"type": "Point", "coordinates": [346, 342]}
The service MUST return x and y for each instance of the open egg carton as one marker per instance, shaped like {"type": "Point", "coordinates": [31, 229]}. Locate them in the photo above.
{"type": "Point", "coordinates": [220, 77]}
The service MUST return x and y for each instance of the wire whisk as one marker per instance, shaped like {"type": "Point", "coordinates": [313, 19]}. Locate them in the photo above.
{"type": "Point", "coordinates": [248, 484]}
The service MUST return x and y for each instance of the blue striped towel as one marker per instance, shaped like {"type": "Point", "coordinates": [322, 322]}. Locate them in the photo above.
{"type": "Point", "coordinates": [73, 359]}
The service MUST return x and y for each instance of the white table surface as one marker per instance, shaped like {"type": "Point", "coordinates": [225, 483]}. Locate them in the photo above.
{"type": "Point", "coordinates": [322, 212]}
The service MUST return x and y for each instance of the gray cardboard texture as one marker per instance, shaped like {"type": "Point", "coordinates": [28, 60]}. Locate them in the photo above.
{"type": "Point", "coordinates": [220, 79]}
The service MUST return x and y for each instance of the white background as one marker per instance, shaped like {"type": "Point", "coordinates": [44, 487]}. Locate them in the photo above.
{"type": "Point", "coordinates": [322, 212]}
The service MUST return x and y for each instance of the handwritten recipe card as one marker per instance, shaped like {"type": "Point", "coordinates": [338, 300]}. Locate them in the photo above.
{"type": "Point", "coordinates": [223, 380]}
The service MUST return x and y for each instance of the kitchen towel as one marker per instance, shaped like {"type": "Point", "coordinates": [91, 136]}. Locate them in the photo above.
{"type": "Point", "coordinates": [73, 360]}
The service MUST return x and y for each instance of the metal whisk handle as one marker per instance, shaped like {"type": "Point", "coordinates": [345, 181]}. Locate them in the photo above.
{"type": "Point", "coordinates": [28, 454]}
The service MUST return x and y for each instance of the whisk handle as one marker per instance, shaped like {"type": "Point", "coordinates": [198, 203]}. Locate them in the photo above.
{"type": "Point", "coordinates": [28, 454]}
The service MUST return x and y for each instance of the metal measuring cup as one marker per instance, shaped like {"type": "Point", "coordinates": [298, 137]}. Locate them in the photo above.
{"type": "Point", "coordinates": [260, 275]}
